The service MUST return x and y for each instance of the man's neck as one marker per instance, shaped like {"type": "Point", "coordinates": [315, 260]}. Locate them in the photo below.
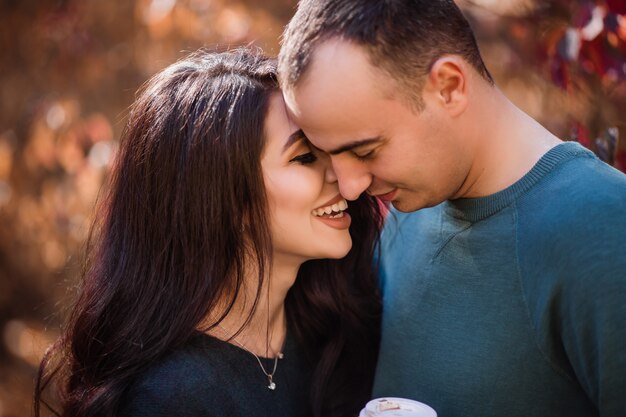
{"type": "Point", "coordinates": [506, 147]}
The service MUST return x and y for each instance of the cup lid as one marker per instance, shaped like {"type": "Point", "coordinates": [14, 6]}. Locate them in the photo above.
{"type": "Point", "coordinates": [396, 407]}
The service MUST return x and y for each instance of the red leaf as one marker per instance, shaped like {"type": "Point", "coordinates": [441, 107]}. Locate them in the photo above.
{"type": "Point", "coordinates": [581, 135]}
{"type": "Point", "coordinates": [616, 6]}
{"type": "Point", "coordinates": [593, 56]}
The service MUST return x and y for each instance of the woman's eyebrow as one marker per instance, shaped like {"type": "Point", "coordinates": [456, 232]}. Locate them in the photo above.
{"type": "Point", "coordinates": [293, 138]}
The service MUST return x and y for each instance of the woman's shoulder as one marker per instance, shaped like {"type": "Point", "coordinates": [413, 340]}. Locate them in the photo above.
{"type": "Point", "coordinates": [209, 377]}
{"type": "Point", "coordinates": [185, 382]}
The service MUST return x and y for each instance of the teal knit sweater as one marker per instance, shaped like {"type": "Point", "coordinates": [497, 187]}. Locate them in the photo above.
{"type": "Point", "coordinates": [512, 304]}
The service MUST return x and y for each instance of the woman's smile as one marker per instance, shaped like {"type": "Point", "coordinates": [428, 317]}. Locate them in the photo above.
{"type": "Point", "coordinates": [333, 213]}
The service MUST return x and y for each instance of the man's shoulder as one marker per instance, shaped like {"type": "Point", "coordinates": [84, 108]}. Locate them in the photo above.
{"type": "Point", "coordinates": [583, 178]}
{"type": "Point", "coordinates": [574, 222]}
{"type": "Point", "coordinates": [581, 193]}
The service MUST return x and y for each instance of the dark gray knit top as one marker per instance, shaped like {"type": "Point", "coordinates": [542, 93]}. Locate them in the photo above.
{"type": "Point", "coordinates": [208, 377]}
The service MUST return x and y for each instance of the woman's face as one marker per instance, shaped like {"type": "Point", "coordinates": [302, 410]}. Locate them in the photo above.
{"type": "Point", "coordinates": [307, 218]}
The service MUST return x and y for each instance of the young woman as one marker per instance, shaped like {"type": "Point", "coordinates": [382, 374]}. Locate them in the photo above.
{"type": "Point", "coordinates": [225, 275]}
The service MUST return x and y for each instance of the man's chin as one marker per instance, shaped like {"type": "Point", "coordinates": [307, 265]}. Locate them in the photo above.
{"type": "Point", "coordinates": [405, 206]}
{"type": "Point", "coordinates": [402, 206]}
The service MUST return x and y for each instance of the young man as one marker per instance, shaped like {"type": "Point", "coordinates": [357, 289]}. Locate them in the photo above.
{"type": "Point", "coordinates": [504, 280]}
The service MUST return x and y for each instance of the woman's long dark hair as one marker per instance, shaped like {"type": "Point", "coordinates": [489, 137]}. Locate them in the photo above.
{"type": "Point", "coordinates": [167, 246]}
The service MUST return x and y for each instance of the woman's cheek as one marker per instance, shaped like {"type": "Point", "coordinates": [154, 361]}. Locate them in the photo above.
{"type": "Point", "coordinates": [295, 191]}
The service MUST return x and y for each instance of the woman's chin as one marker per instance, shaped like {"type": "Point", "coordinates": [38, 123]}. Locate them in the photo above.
{"type": "Point", "coordinates": [338, 250]}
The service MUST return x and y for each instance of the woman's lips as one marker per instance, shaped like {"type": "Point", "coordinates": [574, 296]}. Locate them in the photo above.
{"type": "Point", "coordinates": [342, 222]}
{"type": "Point", "coordinates": [334, 213]}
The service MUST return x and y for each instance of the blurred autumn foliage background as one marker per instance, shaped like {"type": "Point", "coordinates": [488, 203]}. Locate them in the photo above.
{"type": "Point", "coordinates": [69, 70]}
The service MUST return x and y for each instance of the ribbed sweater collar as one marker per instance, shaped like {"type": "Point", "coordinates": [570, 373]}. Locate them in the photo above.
{"type": "Point", "coordinates": [476, 209]}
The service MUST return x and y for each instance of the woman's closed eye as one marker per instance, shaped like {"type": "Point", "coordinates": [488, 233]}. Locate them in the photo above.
{"type": "Point", "coordinates": [304, 158]}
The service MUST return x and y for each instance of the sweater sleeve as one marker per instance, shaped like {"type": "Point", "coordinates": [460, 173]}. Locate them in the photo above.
{"type": "Point", "coordinates": [593, 314]}
{"type": "Point", "coordinates": [574, 272]}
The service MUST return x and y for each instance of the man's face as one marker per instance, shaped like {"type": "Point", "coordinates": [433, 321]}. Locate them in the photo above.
{"type": "Point", "coordinates": [378, 143]}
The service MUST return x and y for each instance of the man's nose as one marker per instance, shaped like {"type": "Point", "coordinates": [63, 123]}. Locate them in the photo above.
{"type": "Point", "coordinates": [353, 178]}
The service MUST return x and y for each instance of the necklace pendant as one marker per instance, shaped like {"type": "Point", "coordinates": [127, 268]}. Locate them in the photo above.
{"type": "Point", "coordinates": [272, 386]}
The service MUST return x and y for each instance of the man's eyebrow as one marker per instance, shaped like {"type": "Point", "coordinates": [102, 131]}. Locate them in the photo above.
{"type": "Point", "coordinates": [355, 144]}
{"type": "Point", "coordinates": [293, 138]}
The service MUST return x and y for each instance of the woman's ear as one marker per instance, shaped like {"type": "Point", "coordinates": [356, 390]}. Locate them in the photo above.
{"type": "Point", "coordinates": [447, 82]}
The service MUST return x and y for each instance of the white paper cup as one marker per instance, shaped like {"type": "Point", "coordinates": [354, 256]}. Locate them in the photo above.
{"type": "Point", "coordinates": [396, 407]}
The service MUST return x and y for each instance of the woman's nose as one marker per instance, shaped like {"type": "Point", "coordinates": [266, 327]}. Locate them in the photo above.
{"type": "Point", "coordinates": [329, 173]}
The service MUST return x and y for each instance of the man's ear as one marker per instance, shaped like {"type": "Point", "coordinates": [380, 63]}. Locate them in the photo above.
{"type": "Point", "coordinates": [447, 81]}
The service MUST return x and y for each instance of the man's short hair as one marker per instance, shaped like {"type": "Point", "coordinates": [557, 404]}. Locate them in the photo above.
{"type": "Point", "coordinates": [402, 37]}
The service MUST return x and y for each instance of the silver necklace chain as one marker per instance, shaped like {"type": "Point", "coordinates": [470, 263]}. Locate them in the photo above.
{"type": "Point", "coordinates": [270, 375]}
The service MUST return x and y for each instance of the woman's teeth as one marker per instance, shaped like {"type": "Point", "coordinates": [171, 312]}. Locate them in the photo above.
{"type": "Point", "coordinates": [333, 211]}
